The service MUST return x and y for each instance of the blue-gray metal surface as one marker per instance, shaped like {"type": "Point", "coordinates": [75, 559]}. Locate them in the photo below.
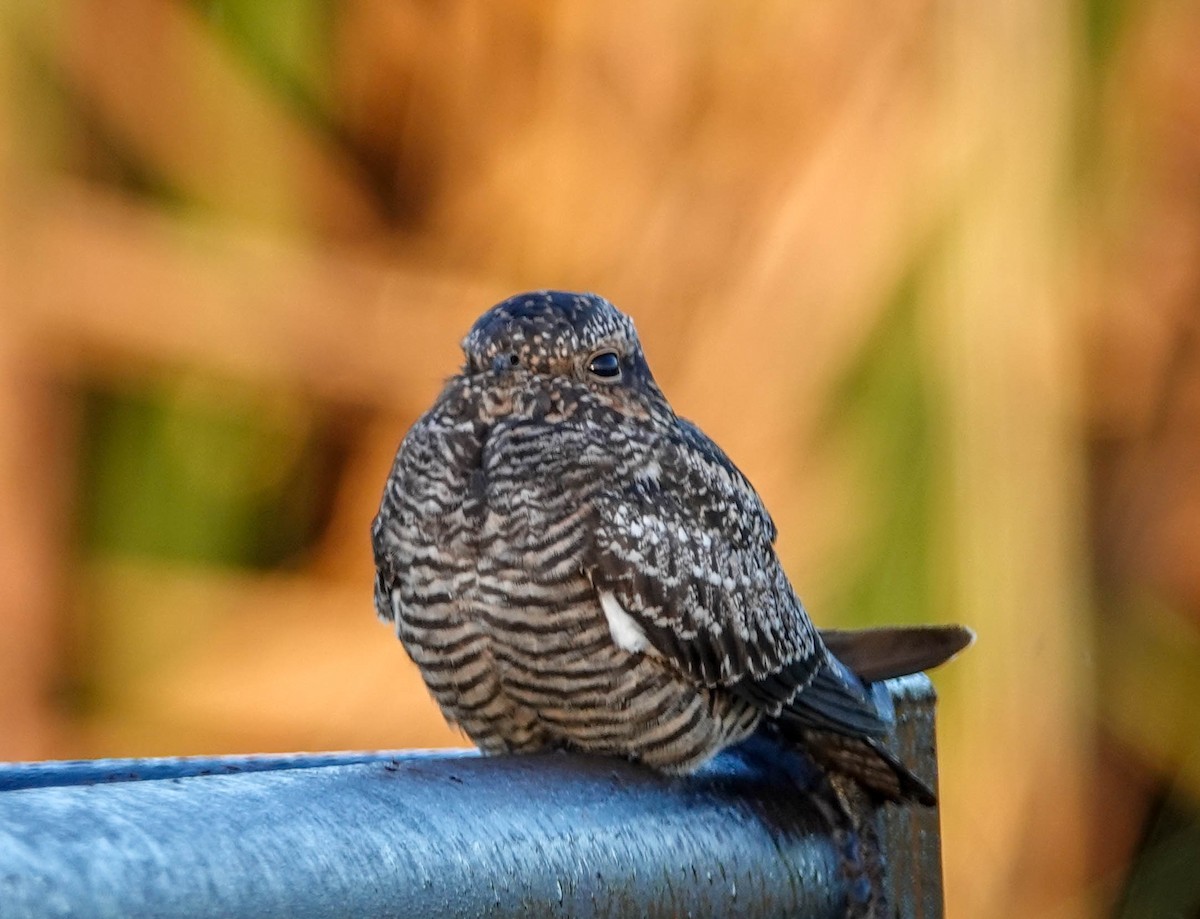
{"type": "Point", "coordinates": [912, 839]}
{"type": "Point", "coordinates": [430, 836]}
{"type": "Point", "coordinates": [95, 771]}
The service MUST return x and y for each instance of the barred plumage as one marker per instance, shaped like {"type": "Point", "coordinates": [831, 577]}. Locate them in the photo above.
{"type": "Point", "coordinates": [570, 564]}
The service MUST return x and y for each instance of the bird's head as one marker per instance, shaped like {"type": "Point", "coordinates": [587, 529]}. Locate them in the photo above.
{"type": "Point", "coordinates": [548, 336]}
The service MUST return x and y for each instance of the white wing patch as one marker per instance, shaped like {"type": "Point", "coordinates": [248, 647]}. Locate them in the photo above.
{"type": "Point", "coordinates": [624, 629]}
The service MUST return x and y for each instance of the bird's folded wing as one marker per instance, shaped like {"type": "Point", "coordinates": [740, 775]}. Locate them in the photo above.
{"type": "Point", "coordinates": [686, 549]}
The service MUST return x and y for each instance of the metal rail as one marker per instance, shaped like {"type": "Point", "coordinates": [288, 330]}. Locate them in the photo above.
{"type": "Point", "coordinates": [456, 835]}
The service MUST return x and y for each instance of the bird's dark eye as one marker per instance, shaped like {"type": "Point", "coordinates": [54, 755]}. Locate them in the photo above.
{"type": "Point", "coordinates": [605, 364]}
{"type": "Point", "coordinates": [504, 360]}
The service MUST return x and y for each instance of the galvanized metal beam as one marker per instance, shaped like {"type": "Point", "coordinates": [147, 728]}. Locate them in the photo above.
{"type": "Point", "coordinates": [451, 835]}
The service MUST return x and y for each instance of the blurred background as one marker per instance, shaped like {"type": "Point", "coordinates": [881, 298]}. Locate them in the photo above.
{"type": "Point", "coordinates": [930, 272]}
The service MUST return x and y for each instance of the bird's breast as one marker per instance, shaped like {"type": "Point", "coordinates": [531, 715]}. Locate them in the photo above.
{"type": "Point", "coordinates": [510, 633]}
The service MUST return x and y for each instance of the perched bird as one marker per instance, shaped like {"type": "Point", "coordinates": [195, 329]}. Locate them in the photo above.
{"type": "Point", "coordinates": [572, 565]}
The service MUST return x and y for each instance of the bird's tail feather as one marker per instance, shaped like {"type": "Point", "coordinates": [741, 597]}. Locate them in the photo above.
{"type": "Point", "coordinates": [869, 763]}
{"type": "Point", "coordinates": [838, 717]}
{"type": "Point", "coordinates": [892, 651]}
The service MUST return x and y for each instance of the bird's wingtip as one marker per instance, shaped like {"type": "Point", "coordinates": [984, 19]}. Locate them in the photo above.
{"type": "Point", "coordinates": [891, 651]}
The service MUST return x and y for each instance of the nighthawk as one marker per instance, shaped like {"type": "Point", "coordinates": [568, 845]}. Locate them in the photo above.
{"type": "Point", "coordinates": [572, 565]}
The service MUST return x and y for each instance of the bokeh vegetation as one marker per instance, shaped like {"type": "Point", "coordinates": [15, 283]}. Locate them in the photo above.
{"type": "Point", "coordinates": [929, 272]}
